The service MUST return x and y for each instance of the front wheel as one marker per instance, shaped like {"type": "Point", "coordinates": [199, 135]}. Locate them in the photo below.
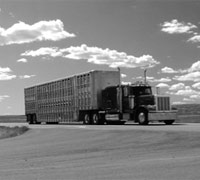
{"type": "Point", "coordinates": [169, 122]}
{"type": "Point", "coordinates": [142, 117]}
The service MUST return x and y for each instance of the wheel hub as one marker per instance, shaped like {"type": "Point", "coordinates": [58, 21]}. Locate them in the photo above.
{"type": "Point", "coordinates": [141, 117]}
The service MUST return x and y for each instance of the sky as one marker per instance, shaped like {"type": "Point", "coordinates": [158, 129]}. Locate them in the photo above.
{"type": "Point", "coordinates": [44, 40]}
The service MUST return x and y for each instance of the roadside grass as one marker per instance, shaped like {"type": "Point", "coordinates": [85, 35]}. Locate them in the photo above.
{"type": "Point", "coordinates": [7, 132]}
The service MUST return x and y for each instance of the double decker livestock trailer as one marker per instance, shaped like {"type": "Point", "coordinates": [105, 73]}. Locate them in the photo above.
{"type": "Point", "coordinates": [96, 97]}
{"type": "Point", "coordinates": [70, 99]}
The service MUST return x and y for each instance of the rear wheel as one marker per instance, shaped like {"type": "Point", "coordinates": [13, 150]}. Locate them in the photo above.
{"type": "Point", "coordinates": [142, 117]}
{"type": "Point", "coordinates": [96, 119]}
{"type": "Point", "coordinates": [86, 119]}
{"type": "Point", "coordinates": [169, 122]}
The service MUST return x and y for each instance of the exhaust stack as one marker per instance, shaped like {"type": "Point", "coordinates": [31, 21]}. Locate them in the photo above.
{"type": "Point", "coordinates": [145, 76]}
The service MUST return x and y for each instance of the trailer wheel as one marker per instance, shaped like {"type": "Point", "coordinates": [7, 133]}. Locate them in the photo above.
{"type": "Point", "coordinates": [169, 122]}
{"type": "Point", "coordinates": [86, 119]}
{"type": "Point", "coordinates": [96, 119]}
{"type": "Point", "coordinates": [34, 119]}
{"type": "Point", "coordinates": [142, 117]}
{"type": "Point", "coordinates": [29, 119]}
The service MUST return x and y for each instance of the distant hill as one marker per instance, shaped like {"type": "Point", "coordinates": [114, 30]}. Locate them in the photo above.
{"type": "Point", "coordinates": [13, 118]}
{"type": "Point", "coordinates": [188, 113]}
{"type": "Point", "coordinates": [188, 109]}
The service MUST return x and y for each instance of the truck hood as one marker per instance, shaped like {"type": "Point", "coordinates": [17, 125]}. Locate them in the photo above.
{"type": "Point", "coordinates": [145, 100]}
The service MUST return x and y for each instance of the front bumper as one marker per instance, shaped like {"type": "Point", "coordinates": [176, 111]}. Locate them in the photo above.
{"type": "Point", "coordinates": [162, 116]}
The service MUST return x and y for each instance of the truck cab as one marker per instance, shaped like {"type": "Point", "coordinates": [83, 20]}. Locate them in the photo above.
{"type": "Point", "coordinates": [138, 103]}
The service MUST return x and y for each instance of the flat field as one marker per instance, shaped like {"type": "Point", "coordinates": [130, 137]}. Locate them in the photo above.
{"type": "Point", "coordinates": [79, 152]}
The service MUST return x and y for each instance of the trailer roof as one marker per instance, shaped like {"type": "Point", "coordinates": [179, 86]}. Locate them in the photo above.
{"type": "Point", "coordinates": [63, 78]}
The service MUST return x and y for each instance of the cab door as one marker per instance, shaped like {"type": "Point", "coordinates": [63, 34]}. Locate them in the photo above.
{"type": "Point", "coordinates": [125, 99]}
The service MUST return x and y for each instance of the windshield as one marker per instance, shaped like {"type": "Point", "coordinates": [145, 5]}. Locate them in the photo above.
{"type": "Point", "coordinates": [146, 91]}
{"type": "Point", "coordinates": [138, 91]}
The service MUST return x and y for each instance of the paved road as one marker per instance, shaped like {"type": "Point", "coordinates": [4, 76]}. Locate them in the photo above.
{"type": "Point", "coordinates": [78, 152]}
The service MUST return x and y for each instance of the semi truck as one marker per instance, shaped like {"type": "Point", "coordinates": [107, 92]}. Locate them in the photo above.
{"type": "Point", "coordinates": [96, 97]}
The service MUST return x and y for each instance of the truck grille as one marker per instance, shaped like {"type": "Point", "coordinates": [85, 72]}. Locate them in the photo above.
{"type": "Point", "coordinates": [163, 103]}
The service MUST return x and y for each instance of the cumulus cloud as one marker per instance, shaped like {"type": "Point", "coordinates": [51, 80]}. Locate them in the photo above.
{"type": "Point", "coordinates": [162, 85]}
{"type": "Point", "coordinates": [187, 91]}
{"type": "Point", "coordinates": [109, 57]}
{"type": "Point", "coordinates": [193, 76]}
{"type": "Point", "coordinates": [176, 87]}
{"type": "Point", "coordinates": [162, 80]}
{"type": "Point", "coordinates": [23, 60]}
{"type": "Point", "coordinates": [5, 74]}
{"type": "Point", "coordinates": [196, 96]}
{"type": "Point", "coordinates": [153, 79]}
{"type": "Point", "coordinates": [181, 90]}
{"type": "Point", "coordinates": [194, 39]}
{"type": "Point", "coordinates": [195, 67]}
{"type": "Point", "coordinates": [196, 85]}
{"type": "Point", "coordinates": [97, 55]}
{"type": "Point", "coordinates": [178, 102]}
{"type": "Point", "coordinates": [21, 32]}
{"type": "Point", "coordinates": [190, 74]}
{"type": "Point", "coordinates": [176, 27]}
{"type": "Point", "coordinates": [2, 97]}
{"type": "Point", "coordinates": [188, 100]}
{"type": "Point", "coordinates": [26, 76]}
{"type": "Point", "coordinates": [126, 83]}
{"type": "Point", "coordinates": [50, 51]}
{"type": "Point", "coordinates": [123, 75]}
{"type": "Point", "coordinates": [168, 70]}
{"type": "Point", "coordinates": [140, 77]}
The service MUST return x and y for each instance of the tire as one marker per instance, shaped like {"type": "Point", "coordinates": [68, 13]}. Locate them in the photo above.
{"type": "Point", "coordinates": [86, 119]}
{"type": "Point", "coordinates": [29, 119]}
{"type": "Point", "coordinates": [34, 119]}
{"type": "Point", "coordinates": [142, 117]}
{"type": "Point", "coordinates": [96, 119]}
{"type": "Point", "coordinates": [169, 122]}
